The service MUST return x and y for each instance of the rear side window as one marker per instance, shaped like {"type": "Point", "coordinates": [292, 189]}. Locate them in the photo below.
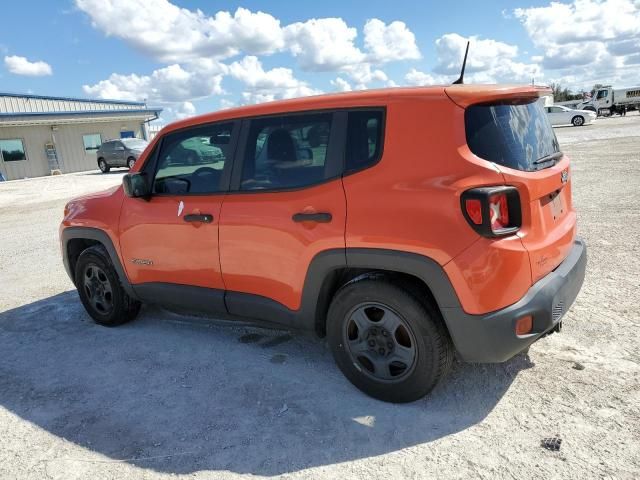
{"type": "Point", "coordinates": [515, 135]}
{"type": "Point", "coordinates": [364, 139]}
{"type": "Point", "coordinates": [286, 152]}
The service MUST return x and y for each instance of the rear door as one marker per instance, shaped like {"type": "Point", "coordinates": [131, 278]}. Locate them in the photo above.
{"type": "Point", "coordinates": [287, 204]}
{"type": "Point", "coordinates": [519, 139]}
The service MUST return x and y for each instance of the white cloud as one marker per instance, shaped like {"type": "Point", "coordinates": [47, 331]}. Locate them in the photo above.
{"type": "Point", "coordinates": [489, 61]}
{"type": "Point", "coordinates": [185, 110]}
{"type": "Point", "coordinates": [418, 78]}
{"type": "Point", "coordinates": [192, 45]}
{"type": "Point", "coordinates": [580, 21]}
{"type": "Point", "coordinates": [363, 74]}
{"type": "Point", "coordinates": [166, 85]}
{"type": "Point", "coordinates": [392, 42]}
{"type": "Point", "coordinates": [173, 34]}
{"type": "Point", "coordinates": [226, 103]}
{"type": "Point", "coordinates": [267, 85]}
{"type": "Point", "coordinates": [483, 53]}
{"type": "Point", "coordinates": [328, 44]}
{"type": "Point", "coordinates": [325, 44]}
{"type": "Point", "coordinates": [341, 85]}
{"type": "Point", "coordinates": [589, 39]}
{"type": "Point", "coordinates": [21, 66]}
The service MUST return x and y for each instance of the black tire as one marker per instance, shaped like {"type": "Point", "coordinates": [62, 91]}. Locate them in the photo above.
{"type": "Point", "coordinates": [421, 325]}
{"type": "Point", "coordinates": [577, 121]}
{"type": "Point", "coordinates": [103, 166]}
{"type": "Point", "coordinates": [100, 290]}
{"type": "Point", "coordinates": [131, 162]}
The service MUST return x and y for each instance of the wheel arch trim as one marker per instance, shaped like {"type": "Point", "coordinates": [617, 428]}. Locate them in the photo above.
{"type": "Point", "coordinates": [419, 266]}
{"type": "Point", "coordinates": [102, 237]}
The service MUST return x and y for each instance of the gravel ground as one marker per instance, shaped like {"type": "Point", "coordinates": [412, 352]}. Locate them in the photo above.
{"type": "Point", "coordinates": [171, 395]}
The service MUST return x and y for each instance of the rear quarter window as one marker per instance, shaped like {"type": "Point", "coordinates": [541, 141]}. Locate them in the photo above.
{"type": "Point", "coordinates": [511, 134]}
{"type": "Point", "coordinates": [364, 139]}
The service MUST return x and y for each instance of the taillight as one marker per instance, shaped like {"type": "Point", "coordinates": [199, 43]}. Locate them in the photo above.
{"type": "Point", "coordinates": [492, 211]}
{"type": "Point", "coordinates": [499, 211]}
{"type": "Point", "coordinates": [474, 210]}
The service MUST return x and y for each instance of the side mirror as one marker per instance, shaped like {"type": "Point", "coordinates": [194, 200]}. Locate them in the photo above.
{"type": "Point", "coordinates": [136, 186]}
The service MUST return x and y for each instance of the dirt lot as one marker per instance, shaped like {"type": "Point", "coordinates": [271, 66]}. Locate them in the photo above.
{"type": "Point", "coordinates": [169, 395]}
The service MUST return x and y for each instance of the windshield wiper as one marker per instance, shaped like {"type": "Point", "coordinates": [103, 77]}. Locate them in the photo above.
{"type": "Point", "coordinates": [549, 158]}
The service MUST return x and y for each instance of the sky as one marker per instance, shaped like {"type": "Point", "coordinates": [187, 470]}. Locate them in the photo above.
{"type": "Point", "coordinates": [196, 56]}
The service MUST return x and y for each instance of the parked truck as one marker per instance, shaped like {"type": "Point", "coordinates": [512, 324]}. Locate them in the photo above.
{"type": "Point", "coordinates": [606, 100]}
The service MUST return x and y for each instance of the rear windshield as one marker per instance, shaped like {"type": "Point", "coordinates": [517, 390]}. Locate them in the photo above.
{"type": "Point", "coordinates": [516, 135]}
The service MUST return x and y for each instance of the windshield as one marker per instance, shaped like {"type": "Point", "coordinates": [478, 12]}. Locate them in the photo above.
{"type": "Point", "coordinates": [135, 143]}
{"type": "Point", "coordinates": [515, 135]}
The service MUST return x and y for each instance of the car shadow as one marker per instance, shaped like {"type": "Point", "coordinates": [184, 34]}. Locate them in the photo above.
{"type": "Point", "coordinates": [179, 394]}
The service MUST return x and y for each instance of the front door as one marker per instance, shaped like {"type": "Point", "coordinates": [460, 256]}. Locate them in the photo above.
{"type": "Point", "coordinates": [288, 205]}
{"type": "Point", "coordinates": [171, 239]}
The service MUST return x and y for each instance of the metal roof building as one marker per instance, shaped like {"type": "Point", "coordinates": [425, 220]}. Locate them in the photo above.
{"type": "Point", "coordinates": [40, 134]}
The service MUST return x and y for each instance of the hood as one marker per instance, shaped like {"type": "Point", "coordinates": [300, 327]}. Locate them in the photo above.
{"type": "Point", "coordinates": [91, 196]}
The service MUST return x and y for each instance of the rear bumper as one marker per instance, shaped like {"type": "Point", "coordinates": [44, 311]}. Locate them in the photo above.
{"type": "Point", "coordinates": [491, 337]}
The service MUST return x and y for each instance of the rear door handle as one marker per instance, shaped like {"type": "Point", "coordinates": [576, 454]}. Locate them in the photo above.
{"type": "Point", "coordinates": [322, 217]}
{"type": "Point", "coordinates": [199, 217]}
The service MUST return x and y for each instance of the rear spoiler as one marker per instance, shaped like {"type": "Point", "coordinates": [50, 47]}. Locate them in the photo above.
{"type": "Point", "coordinates": [465, 95]}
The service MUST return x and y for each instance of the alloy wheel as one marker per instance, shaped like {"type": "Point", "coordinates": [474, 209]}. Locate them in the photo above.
{"type": "Point", "coordinates": [380, 342]}
{"type": "Point", "coordinates": [98, 289]}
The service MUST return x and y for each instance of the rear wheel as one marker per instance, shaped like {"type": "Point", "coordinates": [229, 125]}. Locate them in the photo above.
{"type": "Point", "coordinates": [386, 342]}
{"type": "Point", "coordinates": [131, 162]}
{"type": "Point", "coordinates": [102, 165]}
{"type": "Point", "coordinates": [577, 121]}
{"type": "Point", "coordinates": [100, 290]}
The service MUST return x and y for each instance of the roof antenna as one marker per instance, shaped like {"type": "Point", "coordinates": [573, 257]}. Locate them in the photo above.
{"type": "Point", "coordinates": [460, 79]}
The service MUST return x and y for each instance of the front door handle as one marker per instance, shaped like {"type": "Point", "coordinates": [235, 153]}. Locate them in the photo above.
{"type": "Point", "coordinates": [199, 217]}
{"type": "Point", "coordinates": [322, 217]}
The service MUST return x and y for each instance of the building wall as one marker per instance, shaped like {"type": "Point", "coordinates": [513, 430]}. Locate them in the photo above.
{"type": "Point", "coordinates": [69, 146]}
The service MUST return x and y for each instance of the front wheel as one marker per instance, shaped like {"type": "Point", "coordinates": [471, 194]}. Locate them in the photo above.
{"type": "Point", "coordinates": [100, 290]}
{"type": "Point", "coordinates": [386, 342]}
{"type": "Point", "coordinates": [131, 162]}
{"type": "Point", "coordinates": [102, 165]}
{"type": "Point", "coordinates": [577, 121]}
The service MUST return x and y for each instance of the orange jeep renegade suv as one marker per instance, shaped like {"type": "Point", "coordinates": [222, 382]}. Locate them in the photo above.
{"type": "Point", "coordinates": [402, 224]}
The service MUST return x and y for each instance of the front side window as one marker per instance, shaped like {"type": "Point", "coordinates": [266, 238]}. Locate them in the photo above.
{"type": "Point", "coordinates": [286, 152]}
{"type": "Point", "coordinates": [364, 139]}
{"type": "Point", "coordinates": [602, 93]}
{"type": "Point", "coordinates": [12, 150]}
{"type": "Point", "coordinates": [91, 142]}
{"type": "Point", "coordinates": [192, 161]}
